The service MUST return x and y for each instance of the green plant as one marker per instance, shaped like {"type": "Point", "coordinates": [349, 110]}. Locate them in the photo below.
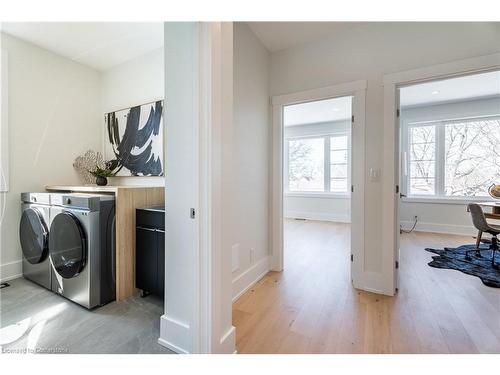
{"type": "Point", "coordinates": [100, 172]}
{"type": "Point", "coordinates": [111, 168]}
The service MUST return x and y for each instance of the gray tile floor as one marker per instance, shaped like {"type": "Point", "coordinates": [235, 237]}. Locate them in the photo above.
{"type": "Point", "coordinates": [36, 320]}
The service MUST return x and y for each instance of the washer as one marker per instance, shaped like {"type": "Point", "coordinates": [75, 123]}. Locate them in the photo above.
{"type": "Point", "coordinates": [34, 237]}
{"type": "Point", "coordinates": [82, 247]}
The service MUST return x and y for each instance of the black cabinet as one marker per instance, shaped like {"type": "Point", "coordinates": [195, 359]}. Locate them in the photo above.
{"type": "Point", "coordinates": [150, 251]}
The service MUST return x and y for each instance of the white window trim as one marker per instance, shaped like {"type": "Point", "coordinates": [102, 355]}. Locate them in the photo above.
{"type": "Point", "coordinates": [438, 197]}
{"type": "Point", "coordinates": [326, 165]}
{"type": "Point", "coordinates": [4, 125]}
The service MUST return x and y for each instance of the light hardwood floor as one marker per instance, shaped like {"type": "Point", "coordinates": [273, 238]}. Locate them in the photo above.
{"type": "Point", "coordinates": [311, 307]}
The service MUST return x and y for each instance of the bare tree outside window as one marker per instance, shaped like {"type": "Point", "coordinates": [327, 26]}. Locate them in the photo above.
{"type": "Point", "coordinates": [466, 165]}
{"type": "Point", "coordinates": [339, 155]}
{"type": "Point", "coordinates": [472, 153]}
{"type": "Point", "coordinates": [422, 160]}
{"type": "Point", "coordinates": [306, 164]}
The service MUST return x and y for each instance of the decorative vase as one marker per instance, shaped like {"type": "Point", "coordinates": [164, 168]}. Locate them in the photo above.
{"type": "Point", "coordinates": [101, 181]}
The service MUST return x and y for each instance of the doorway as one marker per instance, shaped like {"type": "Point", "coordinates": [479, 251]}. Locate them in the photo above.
{"type": "Point", "coordinates": [317, 185]}
{"type": "Point", "coordinates": [449, 132]}
{"type": "Point", "coordinates": [349, 98]}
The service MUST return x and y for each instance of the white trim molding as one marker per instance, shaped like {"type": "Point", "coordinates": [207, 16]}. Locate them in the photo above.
{"type": "Point", "coordinates": [461, 230]}
{"type": "Point", "coordinates": [198, 294]}
{"type": "Point", "coordinates": [11, 270]}
{"type": "Point", "coordinates": [250, 277]}
{"type": "Point", "coordinates": [4, 123]}
{"type": "Point", "coordinates": [341, 89]}
{"type": "Point", "coordinates": [390, 197]}
{"type": "Point", "coordinates": [357, 90]}
{"type": "Point", "coordinates": [321, 216]}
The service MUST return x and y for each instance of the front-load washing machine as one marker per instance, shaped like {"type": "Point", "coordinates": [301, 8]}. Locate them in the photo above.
{"type": "Point", "coordinates": [34, 237]}
{"type": "Point", "coordinates": [82, 247]}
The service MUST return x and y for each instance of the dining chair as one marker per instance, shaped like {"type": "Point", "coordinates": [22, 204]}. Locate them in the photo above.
{"type": "Point", "coordinates": [479, 221]}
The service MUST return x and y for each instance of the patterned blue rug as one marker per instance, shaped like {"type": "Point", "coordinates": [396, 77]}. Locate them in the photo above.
{"type": "Point", "coordinates": [454, 258]}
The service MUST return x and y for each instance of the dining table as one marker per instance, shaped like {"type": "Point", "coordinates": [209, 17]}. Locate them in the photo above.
{"type": "Point", "coordinates": [491, 209]}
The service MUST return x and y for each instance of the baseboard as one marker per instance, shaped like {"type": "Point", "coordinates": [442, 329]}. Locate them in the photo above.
{"type": "Point", "coordinates": [171, 346]}
{"type": "Point", "coordinates": [466, 230]}
{"type": "Point", "coordinates": [173, 331]}
{"type": "Point", "coordinates": [250, 277]}
{"type": "Point", "coordinates": [10, 271]}
{"type": "Point", "coordinates": [227, 342]}
{"type": "Point", "coordinates": [321, 216]}
{"type": "Point", "coordinates": [374, 282]}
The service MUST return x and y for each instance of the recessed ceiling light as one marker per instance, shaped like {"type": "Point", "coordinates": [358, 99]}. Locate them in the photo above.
{"type": "Point", "coordinates": [435, 92]}
{"type": "Point", "coordinates": [336, 109]}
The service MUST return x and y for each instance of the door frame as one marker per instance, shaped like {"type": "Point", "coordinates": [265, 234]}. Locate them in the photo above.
{"type": "Point", "coordinates": [390, 195]}
{"type": "Point", "coordinates": [356, 89]}
{"type": "Point", "coordinates": [199, 96]}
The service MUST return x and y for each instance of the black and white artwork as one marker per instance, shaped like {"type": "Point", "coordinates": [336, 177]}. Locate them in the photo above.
{"type": "Point", "coordinates": [134, 138]}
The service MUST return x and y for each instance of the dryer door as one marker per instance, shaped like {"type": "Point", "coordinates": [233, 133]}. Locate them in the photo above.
{"type": "Point", "coordinates": [67, 245]}
{"type": "Point", "coordinates": [33, 236]}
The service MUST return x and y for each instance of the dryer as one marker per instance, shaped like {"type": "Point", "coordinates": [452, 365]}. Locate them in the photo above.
{"type": "Point", "coordinates": [82, 247]}
{"type": "Point", "coordinates": [34, 237]}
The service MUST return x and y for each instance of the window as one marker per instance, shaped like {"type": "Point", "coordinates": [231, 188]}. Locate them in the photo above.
{"type": "Point", "coordinates": [306, 164]}
{"type": "Point", "coordinates": [318, 164]}
{"type": "Point", "coordinates": [456, 158]}
{"type": "Point", "coordinates": [422, 160]}
{"type": "Point", "coordinates": [338, 163]}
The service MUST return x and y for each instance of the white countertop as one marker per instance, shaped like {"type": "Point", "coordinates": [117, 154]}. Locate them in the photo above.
{"type": "Point", "coordinates": [94, 188]}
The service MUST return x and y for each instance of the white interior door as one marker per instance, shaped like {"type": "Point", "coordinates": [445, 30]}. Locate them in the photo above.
{"type": "Point", "coordinates": [357, 189]}
{"type": "Point", "coordinates": [399, 179]}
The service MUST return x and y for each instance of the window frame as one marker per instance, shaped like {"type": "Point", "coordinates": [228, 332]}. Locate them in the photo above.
{"type": "Point", "coordinates": [440, 129]}
{"type": "Point", "coordinates": [326, 161]}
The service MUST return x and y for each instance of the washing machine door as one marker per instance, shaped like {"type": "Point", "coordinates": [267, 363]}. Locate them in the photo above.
{"type": "Point", "coordinates": [33, 235]}
{"type": "Point", "coordinates": [67, 245]}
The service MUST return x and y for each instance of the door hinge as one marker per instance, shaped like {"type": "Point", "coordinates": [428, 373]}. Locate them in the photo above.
{"type": "Point", "coordinates": [397, 265]}
{"type": "Point", "coordinates": [352, 119]}
{"type": "Point", "coordinates": [352, 188]}
{"type": "Point", "coordinates": [352, 257]}
{"type": "Point", "coordinates": [398, 113]}
{"type": "Point", "coordinates": [397, 189]}
{"type": "Point", "coordinates": [192, 213]}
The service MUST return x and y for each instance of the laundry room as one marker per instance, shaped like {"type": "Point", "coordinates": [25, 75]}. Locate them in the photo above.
{"type": "Point", "coordinates": [82, 187]}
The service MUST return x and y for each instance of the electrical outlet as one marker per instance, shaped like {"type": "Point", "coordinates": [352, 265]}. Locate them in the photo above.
{"type": "Point", "coordinates": [235, 250]}
{"type": "Point", "coordinates": [252, 255]}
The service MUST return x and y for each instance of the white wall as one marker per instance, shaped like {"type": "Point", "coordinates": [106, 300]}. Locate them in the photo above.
{"type": "Point", "coordinates": [54, 116]}
{"type": "Point", "coordinates": [450, 217]}
{"type": "Point", "coordinates": [134, 82]}
{"type": "Point", "coordinates": [314, 206]}
{"type": "Point", "coordinates": [247, 224]}
{"type": "Point", "coordinates": [368, 52]}
{"type": "Point", "coordinates": [198, 288]}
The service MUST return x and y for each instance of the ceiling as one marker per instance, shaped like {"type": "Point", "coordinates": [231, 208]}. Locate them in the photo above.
{"type": "Point", "coordinates": [454, 89]}
{"type": "Point", "coordinates": [100, 45]}
{"type": "Point", "coordinates": [281, 35]}
{"type": "Point", "coordinates": [318, 111]}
